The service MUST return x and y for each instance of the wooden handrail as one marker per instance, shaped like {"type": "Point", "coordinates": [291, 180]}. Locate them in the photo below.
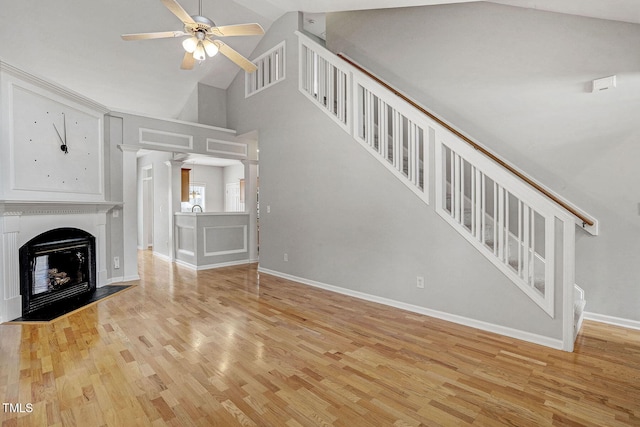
{"type": "Point", "coordinates": [585, 220]}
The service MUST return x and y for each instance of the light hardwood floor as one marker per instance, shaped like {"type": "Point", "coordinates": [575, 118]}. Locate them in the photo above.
{"type": "Point", "coordinates": [224, 348]}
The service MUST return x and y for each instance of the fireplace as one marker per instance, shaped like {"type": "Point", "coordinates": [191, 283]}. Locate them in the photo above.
{"type": "Point", "coordinates": [55, 267]}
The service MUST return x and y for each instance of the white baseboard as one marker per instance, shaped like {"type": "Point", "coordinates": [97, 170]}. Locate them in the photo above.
{"type": "Point", "coordinates": [454, 318]}
{"type": "Point", "coordinates": [113, 280]}
{"type": "Point", "coordinates": [612, 320]}
{"type": "Point", "coordinates": [162, 256]}
{"type": "Point", "coordinates": [212, 266]}
{"type": "Point", "coordinates": [120, 279]}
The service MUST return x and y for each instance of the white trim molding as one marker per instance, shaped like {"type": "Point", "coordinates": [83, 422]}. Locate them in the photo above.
{"type": "Point", "coordinates": [162, 256]}
{"type": "Point", "coordinates": [212, 266]}
{"type": "Point", "coordinates": [612, 320]}
{"type": "Point", "coordinates": [121, 279]}
{"type": "Point", "coordinates": [461, 320]}
{"type": "Point", "coordinates": [52, 87]}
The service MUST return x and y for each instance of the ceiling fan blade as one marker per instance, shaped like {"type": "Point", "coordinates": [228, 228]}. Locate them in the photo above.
{"type": "Point", "coordinates": [240, 60]}
{"type": "Point", "coordinates": [159, 35]}
{"type": "Point", "coordinates": [238, 30]}
{"type": "Point", "coordinates": [177, 10]}
{"type": "Point", "coordinates": [187, 61]}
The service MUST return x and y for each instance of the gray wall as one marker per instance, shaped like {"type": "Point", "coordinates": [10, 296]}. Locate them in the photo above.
{"type": "Point", "coordinates": [344, 220]}
{"type": "Point", "coordinates": [113, 192]}
{"type": "Point", "coordinates": [206, 105]}
{"type": "Point", "coordinates": [212, 106]}
{"type": "Point", "coordinates": [189, 112]}
{"type": "Point", "coordinates": [518, 81]}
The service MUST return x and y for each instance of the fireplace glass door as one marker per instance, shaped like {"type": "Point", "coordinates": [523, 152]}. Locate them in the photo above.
{"type": "Point", "coordinates": [56, 266]}
{"type": "Point", "coordinates": [59, 269]}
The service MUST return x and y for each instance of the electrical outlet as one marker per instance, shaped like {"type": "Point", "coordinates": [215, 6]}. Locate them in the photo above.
{"type": "Point", "coordinates": [116, 213]}
{"type": "Point", "coordinates": [116, 262]}
{"type": "Point", "coordinates": [286, 257]}
{"type": "Point", "coordinates": [268, 208]}
{"type": "Point", "coordinates": [420, 282]}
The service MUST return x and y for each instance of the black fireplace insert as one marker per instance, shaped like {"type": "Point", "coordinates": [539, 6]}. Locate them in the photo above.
{"type": "Point", "coordinates": [55, 267]}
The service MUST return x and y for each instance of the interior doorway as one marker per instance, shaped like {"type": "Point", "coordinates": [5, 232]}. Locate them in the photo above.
{"type": "Point", "coordinates": [147, 207]}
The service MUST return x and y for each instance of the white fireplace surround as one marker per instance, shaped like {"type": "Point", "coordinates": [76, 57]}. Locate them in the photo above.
{"type": "Point", "coordinates": [21, 221]}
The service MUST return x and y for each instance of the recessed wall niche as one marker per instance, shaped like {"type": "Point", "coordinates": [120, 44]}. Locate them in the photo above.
{"type": "Point", "coordinates": [56, 146]}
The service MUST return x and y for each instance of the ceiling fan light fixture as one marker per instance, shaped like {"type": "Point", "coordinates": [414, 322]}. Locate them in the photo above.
{"type": "Point", "coordinates": [210, 48]}
{"type": "Point", "coordinates": [198, 53]}
{"type": "Point", "coordinates": [190, 44]}
{"type": "Point", "coordinates": [199, 30]}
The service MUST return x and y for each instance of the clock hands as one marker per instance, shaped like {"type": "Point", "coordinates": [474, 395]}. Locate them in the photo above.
{"type": "Point", "coordinates": [64, 122]}
{"type": "Point", "coordinates": [63, 147]}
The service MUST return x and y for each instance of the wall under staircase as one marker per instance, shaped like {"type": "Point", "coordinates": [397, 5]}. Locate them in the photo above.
{"type": "Point", "coordinates": [347, 224]}
{"type": "Point", "coordinates": [512, 223]}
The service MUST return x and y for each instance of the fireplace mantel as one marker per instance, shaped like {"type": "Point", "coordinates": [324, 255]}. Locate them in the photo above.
{"type": "Point", "coordinates": [29, 207]}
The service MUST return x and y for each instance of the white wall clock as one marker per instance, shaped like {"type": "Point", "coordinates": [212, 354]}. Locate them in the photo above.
{"type": "Point", "coordinates": [57, 147]}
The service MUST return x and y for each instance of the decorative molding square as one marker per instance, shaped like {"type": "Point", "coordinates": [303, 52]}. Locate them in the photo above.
{"type": "Point", "coordinates": [185, 240]}
{"type": "Point", "coordinates": [225, 251]}
{"type": "Point", "coordinates": [229, 148]}
{"type": "Point", "coordinates": [160, 138]}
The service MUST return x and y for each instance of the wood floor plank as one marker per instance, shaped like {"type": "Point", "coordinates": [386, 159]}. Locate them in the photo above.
{"type": "Point", "coordinates": [232, 347]}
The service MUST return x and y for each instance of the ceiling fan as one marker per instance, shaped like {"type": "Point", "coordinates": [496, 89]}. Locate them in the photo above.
{"type": "Point", "coordinates": [200, 30]}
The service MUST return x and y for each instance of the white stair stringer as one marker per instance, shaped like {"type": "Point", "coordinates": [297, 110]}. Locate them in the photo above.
{"type": "Point", "coordinates": [579, 304]}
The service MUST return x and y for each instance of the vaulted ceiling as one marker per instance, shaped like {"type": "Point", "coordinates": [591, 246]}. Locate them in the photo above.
{"type": "Point", "coordinates": [77, 43]}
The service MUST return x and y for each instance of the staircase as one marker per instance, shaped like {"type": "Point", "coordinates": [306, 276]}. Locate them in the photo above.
{"type": "Point", "coordinates": [524, 230]}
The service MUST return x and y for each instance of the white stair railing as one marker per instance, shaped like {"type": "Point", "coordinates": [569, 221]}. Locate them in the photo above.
{"type": "Point", "coordinates": [324, 82]}
{"type": "Point", "coordinates": [511, 225]}
{"type": "Point", "coordinates": [511, 222]}
{"type": "Point", "coordinates": [392, 133]}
